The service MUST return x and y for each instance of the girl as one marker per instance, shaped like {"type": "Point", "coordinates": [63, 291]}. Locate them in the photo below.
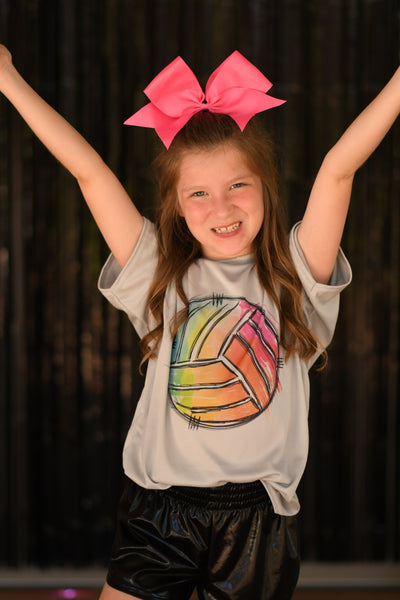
{"type": "Point", "coordinates": [231, 314]}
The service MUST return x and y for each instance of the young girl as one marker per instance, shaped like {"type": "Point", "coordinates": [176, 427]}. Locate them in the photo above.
{"type": "Point", "coordinates": [231, 314]}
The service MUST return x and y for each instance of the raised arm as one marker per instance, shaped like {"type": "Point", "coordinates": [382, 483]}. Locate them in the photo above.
{"type": "Point", "coordinates": [322, 226]}
{"type": "Point", "coordinates": [115, 214]}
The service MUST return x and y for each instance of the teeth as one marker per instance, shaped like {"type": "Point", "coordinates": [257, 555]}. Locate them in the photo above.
{"type": "Point", "coordinates": [227, 229]}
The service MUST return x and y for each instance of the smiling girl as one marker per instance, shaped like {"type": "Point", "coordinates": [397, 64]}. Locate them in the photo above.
{"type": "Point", "coordinates": [231, 313]}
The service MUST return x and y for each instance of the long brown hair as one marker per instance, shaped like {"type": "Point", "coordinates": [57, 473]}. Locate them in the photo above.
{"type": "Point", "coordinates": [178, 249]}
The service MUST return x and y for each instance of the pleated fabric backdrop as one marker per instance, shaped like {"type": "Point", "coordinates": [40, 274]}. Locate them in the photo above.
{"type": "Point", "coordinates": [68, 361]}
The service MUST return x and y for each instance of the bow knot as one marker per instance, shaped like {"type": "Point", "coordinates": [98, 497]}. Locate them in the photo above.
{"type": "Point", "coordinates": [236, 88]}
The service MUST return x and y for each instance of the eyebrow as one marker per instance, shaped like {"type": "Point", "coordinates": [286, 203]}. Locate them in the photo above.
{"type": "Point", "coordinates": [237, 178]}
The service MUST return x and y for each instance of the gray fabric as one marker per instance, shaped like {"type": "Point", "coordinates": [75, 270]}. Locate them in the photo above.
{"type": "Point", "coordinates": [221, 404]}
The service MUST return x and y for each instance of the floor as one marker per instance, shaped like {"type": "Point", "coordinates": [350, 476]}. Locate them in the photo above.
{"type": "Point", "coordinates": [375, 594]}
{"type": "Point", "coordinates": [301, 594]}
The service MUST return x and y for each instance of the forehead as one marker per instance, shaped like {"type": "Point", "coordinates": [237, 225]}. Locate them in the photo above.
{"type": "Point", "coordinates": [222, 161]}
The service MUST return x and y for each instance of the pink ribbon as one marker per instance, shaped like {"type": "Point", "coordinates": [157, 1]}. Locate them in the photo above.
{"type": "Point", "coordinates": [236, 88]}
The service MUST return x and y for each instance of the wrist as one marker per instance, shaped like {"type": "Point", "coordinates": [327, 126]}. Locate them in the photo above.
{"type": "Point", "coordinates": [8, 75]}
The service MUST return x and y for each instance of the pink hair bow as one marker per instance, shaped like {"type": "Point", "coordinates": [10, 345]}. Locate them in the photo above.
{"type": "Point", "coordinates": [236, 88]}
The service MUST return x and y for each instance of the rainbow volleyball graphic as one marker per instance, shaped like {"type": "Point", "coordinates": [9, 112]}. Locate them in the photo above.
{"type": "Point", "coordinates": [224, 364]}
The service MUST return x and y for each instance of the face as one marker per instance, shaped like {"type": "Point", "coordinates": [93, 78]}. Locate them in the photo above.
{"type": "Point", "coordinates": [221, 200]}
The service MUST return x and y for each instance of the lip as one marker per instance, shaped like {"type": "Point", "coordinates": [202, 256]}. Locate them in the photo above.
{"type": "Point", "coordinates": [226, 230]}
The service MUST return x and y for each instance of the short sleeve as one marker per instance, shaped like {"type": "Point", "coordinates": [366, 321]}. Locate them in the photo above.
{"type": "Point", "coordinates": [127, 288]}
{"type": "Point", "coordinates": [321, 301]}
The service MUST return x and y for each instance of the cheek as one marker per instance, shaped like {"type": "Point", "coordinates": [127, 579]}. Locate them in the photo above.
{"type": "Point", "coordinates": [192, 224]}
{"type": "Point", "coordinates": [194, 214]}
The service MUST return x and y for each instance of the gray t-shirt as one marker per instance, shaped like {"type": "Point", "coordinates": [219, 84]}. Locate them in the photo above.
{"type": "Point", "coordinates": [220, 403]}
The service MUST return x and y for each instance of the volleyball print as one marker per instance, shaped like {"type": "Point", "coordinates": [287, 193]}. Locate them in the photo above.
{"type": "Point", "coordinates": [224, 364]}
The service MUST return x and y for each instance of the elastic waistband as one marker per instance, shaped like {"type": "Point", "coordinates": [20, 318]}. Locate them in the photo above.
{"type": "Point", "coordinates": [224, 497]}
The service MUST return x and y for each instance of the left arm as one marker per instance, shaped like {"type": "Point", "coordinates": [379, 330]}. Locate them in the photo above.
{"type": "Point", "coordinates": [322, 226]}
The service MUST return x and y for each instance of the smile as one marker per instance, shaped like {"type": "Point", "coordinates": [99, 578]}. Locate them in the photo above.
{"type": "Point", "coordinates": [227, 229]}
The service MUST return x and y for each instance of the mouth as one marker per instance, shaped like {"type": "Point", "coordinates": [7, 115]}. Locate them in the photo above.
{"type": "Point", "coordinates": [228, 228]}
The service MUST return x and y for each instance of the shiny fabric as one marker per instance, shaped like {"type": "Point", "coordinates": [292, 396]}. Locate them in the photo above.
{"type": "Point", "coordinates": [236, 88]}
{"type": "Point", "coordinates": [227, 542]}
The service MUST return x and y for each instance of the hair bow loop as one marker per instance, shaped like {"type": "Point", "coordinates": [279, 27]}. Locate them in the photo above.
{"type": "Point", "coordinates": [175, 89]}
{"type": "Point", "coordinates": [236, 88]}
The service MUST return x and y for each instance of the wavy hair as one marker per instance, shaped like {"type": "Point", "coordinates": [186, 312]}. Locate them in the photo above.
{"type": "Point", "coordinates": [178, 249]}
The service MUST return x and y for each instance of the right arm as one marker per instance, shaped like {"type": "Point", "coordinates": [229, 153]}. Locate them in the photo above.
{"type": "Point", "coordinates": [116, 216]}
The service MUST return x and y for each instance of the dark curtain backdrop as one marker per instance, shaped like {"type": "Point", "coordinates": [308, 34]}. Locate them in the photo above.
{"type": "Point", "coordinates": [68, 361]}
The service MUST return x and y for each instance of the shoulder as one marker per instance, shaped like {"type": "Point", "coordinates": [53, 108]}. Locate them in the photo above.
{"type": "Point", "coordinates": [341, 276]}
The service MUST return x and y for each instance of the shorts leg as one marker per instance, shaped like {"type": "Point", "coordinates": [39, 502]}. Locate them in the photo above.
{"type": "Point", "coordinates": [254, 555]}
{"type": "Point", "coordinates": [154, 556]}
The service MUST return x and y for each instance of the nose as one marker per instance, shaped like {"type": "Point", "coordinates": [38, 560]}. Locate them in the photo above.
{"type": "Point", "coordinates": [221, 204]}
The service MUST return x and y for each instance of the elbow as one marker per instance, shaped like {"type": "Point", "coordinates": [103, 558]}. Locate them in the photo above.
{"type": "Point", "coordinates": [338, 168]}
{"type": "Point", "coordinates": [89, 170]}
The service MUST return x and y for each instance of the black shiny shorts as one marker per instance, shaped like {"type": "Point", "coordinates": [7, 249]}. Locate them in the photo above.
{"type": "Point", "coordinates": [227, 542]}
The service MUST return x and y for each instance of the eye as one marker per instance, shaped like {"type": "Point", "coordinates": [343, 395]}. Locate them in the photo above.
{"type": "Point", "coordinates": [237, 185]}
{"type": "Point", "coordinates": [198, 194]}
